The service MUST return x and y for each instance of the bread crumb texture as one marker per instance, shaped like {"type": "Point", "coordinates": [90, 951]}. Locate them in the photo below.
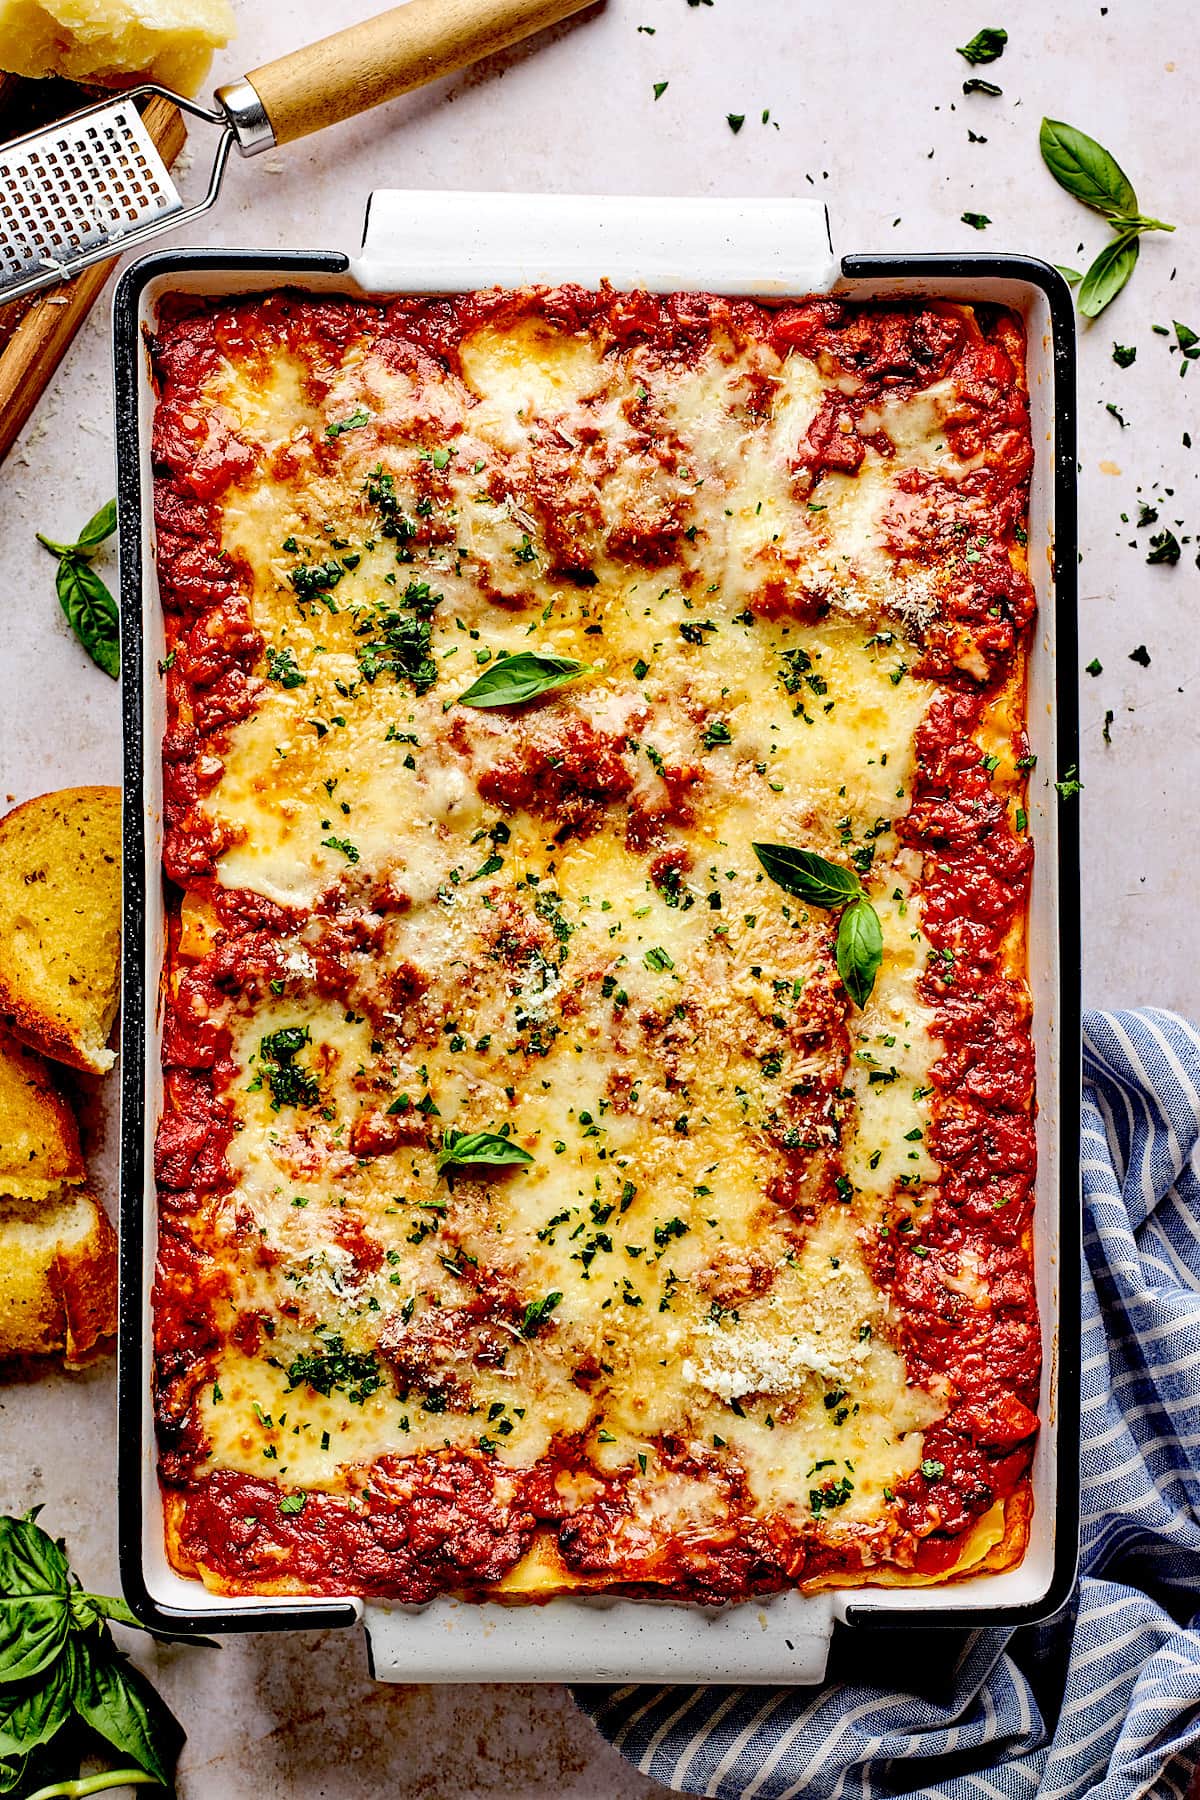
{"type": "Point", "coordinates": [39, 1142]}
{"type": "Point", "coordinates": [60, 920]}
{"type": "Point", "coordinates": [58, 1277]}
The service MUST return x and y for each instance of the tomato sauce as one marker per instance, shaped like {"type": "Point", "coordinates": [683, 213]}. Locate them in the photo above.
{"type": "Point", "coordinates": [456, 1520]}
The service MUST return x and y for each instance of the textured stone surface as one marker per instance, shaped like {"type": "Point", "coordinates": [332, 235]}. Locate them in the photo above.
{"type": "Point", "coordinates": [872, 118]}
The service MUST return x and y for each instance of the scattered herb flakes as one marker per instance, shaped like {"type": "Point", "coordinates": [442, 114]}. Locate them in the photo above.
{"type": "Point", "coordinates": [976, 85]}
{"type": "Point", "coordinates": [1187, 342]}
{"type": "Point", "coordinates": [986, 46]}
{"type": "Point", "coordinates": [349, 851]}
{"type": "Point", "coordinates": [360, 416]}
{"type": "Point", "coordinates": [1108, 719]}
{"type": "Point", "coordinates": [290, 1083]}
{"type": "Point", "coordinates": [1095, 667]}
{"type": "Point", "coordinates": [978, 221]}
{"type": "Point", "coordinates": [735, 121]}
{"type": "Point", "coordinates": [660, 88]}
{"type": "Point", "coordinates": [537, 1313]}
{"type": "Point", "coordinates": [1124, 354]}
{"type": "Point", "coordinates": [1070, 785]}
{"type": "Point", "coordinates": [281, 667]}
{"type": "Point", "coordinates": [1164, 548]}
{"type": "Point", "coordinates": [1141, 656]}
{"type": "Point", "coordinates": [1116, 413]}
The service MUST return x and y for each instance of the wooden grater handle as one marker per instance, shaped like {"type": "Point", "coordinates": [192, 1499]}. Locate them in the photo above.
{"type": "Point", "coordinates": [369, 63]}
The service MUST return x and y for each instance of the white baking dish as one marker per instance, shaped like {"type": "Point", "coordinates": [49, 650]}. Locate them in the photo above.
{"type": "Point", "coordinates": [425, 242]}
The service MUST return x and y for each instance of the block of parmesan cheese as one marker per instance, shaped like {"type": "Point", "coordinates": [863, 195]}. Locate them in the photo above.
{"type": "Point", "coordinates": [114, 42]}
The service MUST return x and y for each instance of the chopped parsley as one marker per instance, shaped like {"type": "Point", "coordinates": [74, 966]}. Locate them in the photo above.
{"type": "Point", "coordinates": [289, 1082]}
{"type": "Point", "coordinates": [281, 667]}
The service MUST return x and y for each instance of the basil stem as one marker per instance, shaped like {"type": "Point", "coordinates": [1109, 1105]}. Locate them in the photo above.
{"type": "Point", "coordinates": [96, 1784]}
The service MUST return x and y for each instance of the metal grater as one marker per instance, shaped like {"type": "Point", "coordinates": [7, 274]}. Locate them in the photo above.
{"type": "Point", "coordinates": [93, 185]}
{"type": "Point", "coordinates": [89, 187]}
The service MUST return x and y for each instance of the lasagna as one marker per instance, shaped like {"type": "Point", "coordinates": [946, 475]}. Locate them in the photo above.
{"type": "Point", "coordinates": [597, 1149]}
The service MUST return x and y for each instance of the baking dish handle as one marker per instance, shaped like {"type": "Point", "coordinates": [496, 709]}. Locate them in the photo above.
{"type": "Point", "coordinates": [779, 1638]}
{"type": "Point", "coordinates": [416, 240]}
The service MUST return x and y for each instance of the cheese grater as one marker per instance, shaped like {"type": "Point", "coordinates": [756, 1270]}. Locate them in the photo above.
{"type": "Point", "coordinates": [93, 185]}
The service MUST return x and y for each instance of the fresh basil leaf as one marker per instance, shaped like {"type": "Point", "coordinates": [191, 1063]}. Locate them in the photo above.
{"type": "Point", "coordinates": [1085, 168]}
{"type": "Point", "coordinates": [99, 527]}
{"type": "Point", "coordinates": [513, 680]}
{"type": "Point", "coordinates": [809, 876]}
{"type": "Point", "coordinates": [1072, 277]}
{"type": "Point", "coordinates": [31, 1712]}
{"type": "Point", "coordinates": [105, 1606]}
{"type": "Point", "coordinates": [985, 46]}
{"type": "Point", "coordinates": [91, 612]}
{"type": "Point", "coordinates": [112, 1697]}
{"type": "Point", "coordinates": [1108, 274]}
{"type": "Point", "coordinates": [472, 1149]}
{"type": "Point", "coordinates": [859, 950]}
{"type": "Point", "coordinates": [31, 1561]}
{"type": "Point", "coordinates": [33, 1630]}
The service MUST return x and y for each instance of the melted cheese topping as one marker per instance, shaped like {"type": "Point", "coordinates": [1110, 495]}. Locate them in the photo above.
{"type": "Point", "coordinates": [673, 1051]}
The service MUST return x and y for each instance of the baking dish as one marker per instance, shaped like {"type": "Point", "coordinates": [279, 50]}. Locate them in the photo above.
{"type": "Point", "coordinates": [424, 243]}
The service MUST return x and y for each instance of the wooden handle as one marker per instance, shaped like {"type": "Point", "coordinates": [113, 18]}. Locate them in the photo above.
{"type": "Point", "coordinates": [367, 64]}
{"type": "Point", "coordinates": [42, 328]}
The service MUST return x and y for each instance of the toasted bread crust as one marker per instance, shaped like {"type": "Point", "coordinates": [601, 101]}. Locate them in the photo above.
{"type": "Point", "coordinates": [39, 1140]}
{"type": "Point", "coordinates": [60, 863]}
{"type": "Point", "coordinates": [58, 1278]}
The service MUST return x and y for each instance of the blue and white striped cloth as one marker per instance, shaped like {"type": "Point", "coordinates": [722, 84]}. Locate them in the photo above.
{"type": "Point", "coordinates": [1104, 1700]}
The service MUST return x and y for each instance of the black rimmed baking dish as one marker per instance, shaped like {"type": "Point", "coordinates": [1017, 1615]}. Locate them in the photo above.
{"type": "Point", "coordinates": [769, 250]}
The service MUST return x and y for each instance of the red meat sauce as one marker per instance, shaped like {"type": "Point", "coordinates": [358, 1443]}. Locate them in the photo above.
{"type": "Point", "coordinates": [458, 1520]}
{"type": "Point", "coordinates": [450, 1529]}
{"type": "Point", "coordinates": [975, 883]}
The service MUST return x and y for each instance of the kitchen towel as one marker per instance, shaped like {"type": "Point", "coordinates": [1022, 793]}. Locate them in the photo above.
{"type": "Point", "coordinates": [1104, 1699]}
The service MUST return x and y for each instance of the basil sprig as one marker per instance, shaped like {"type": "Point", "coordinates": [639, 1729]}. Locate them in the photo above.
{"type": "Point", "coordinates": [986, 45]}
{"type": "Point", "coordinates": [60, 1671]}
{"type": "Point", "coordinates": [512, 680]}
{"type": "Point", "coordinates": [819, 882]}
{"type": "Point", "coordinates": [479, 1149]}
{"type": "Point", "coordinates": [1092, 174]}
{"type": "Point", "coordinates": [89, 608]}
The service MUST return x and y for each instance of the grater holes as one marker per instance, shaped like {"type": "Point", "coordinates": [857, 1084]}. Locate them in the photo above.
{"type": "Point", "coordinates": [64, 197]}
